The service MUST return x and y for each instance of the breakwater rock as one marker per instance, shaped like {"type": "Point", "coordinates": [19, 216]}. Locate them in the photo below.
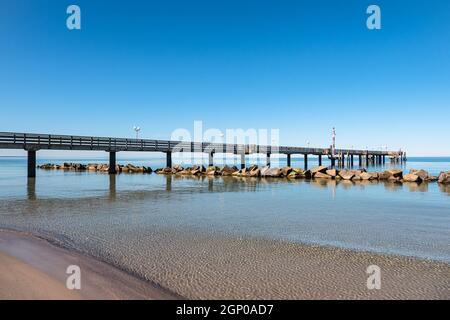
{"type": "Point", "coordinates": [320, 172]}
{"type": "Point", "coordinates": [103, 167]}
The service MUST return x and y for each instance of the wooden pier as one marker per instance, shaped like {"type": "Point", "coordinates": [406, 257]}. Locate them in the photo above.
{"type": "Point", "coordinates": [32, 143]}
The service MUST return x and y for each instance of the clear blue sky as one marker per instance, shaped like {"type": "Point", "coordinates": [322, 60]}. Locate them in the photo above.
{"type": "Point", "coordinates": [300, 66]}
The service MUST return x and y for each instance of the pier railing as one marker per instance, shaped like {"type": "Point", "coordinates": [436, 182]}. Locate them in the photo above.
{"type": "Point", "coordinates": [33, 141]}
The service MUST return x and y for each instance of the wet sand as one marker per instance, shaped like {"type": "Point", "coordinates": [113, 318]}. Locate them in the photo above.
{"type": "Point", "coordinates": [31, 268]}
{"type": "Point", "coordinates": [225, 268]}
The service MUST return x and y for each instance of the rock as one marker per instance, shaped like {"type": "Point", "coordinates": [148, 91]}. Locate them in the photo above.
{"type": "Point", "coordinates": [265, 170]}
{"type": "Point", "coordinates": [293, 175]}
{"type": "Point", "coordinates": [321, 169]}
{"type": "Point", "coordinates": [395, 173]}
{"type": "Point", "coordinates": [410, 177]}
{"type": "Point", "coordinates": [307, 174]}
{"type": "Point", "coordinates": [356, 177]}
{"type": "Point", "coordinates": [346, 175]}
{"type": "Point", "coordinates": [422, 174]}
{"type": "Point", "coordinates": [252, 167]}
{"type": "Point", "coordinates": [365, 176]}
{"type": "Point", "coordinates": [177, 168]}
{"type": "Point", "coordinates": [237, 173]}
{"type": "Point", "coordinates": [383, 175]}
{"type": "Point", "coordinates": [320, 175]}
{"type": "Point", "coordinates": [286, 171]}
{"type": "Point", "coordinates": [394, 179]}
{"type": "Point", "coordinates": [254, 173]}
{"type": "Point", "coordinates": [332, 172]}
{"type": "Point", "coordinates": [212, 171]}
{"type": "Point", "coordinates": [374, 175]}
{"type": "Point", "coordinates": [227, 171]}
{"type": "Point", "coordinates": [444, 178]}
{"type": "Point", "coordinates": [274, 172]}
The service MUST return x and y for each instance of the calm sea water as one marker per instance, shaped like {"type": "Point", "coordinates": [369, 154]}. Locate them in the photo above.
{"type": "Point", "coordinates": [96, 213]}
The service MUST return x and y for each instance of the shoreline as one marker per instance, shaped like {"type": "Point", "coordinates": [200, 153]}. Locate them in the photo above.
{"type": "Point", "coordinates": [430, 277]}
{"type": "Point", "coordinates": [34, 268]}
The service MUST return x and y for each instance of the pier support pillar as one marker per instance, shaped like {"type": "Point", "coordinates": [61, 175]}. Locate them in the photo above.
{"type": "Point", "coordinates": [112, 162]}
{"type": "Point", "coordinates": [169, 159]}
{"type": "Point", "coordinates": [268, 160]}
{"type": "Point", "coordinates": [360, 160]}
{"type": "Point", "coordinates": [343, 160]}
{"type": "Point", "coordinates": [242, 160]}
{"type": "Point", "coordinates": [351, 160]}
{"type": "Point", "coordinates": [288, 159]}
{"type": "Point", "coordinates": [306, 161]}
{"type": "Point", "coordinates": [384, 159]}
{"type": "Point", "coordinates": [367, 160]}
{"type": "Point", "coordinates": [31, 163]}
{"type": "Point", "coordinates": [320, 159]}
{"type": "Point", "coordinates": [211, 159]}
{"type": "Point", "coordinates": [333, 162]}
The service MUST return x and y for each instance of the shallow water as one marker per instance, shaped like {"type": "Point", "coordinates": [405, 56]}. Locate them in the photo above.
{"type": "Point", "coordinates": [408, 219]}
{"type": "Point", "coordinates": [205, 237]}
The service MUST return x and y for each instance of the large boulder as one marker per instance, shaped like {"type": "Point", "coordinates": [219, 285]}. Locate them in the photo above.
{"type": "Point", "coordinates": [293, 175]}
{"type": "Point", "coordinates": [365, 176]}
{"type": "Point", "coordinates": [274, 172]}
{"type": "Point", "coordinates": [374, 175]}
{"type": "Point", "coordinates": [306, 174]}
{"type": "Point", "coordinates": [332, 172]}
{"type": "Point", "coordinates": [444, 177]}
{"type": "Point", "coordinates": [286, 171]}
{"type": "Point", "coordinates": [212, 171]}
{"type": "Point", "coordinates": [322, 169]}
{"type": "Point", "coordinates": [197, 170]}
{"type": "Point", "coordinates": [410, 177]}
{"type": "Point", "coordinates": [422, 174]}
{"type": "Point", "coordinates": [346, 175]}
{"type": "Point", "coordinates": [384, 175]}
{"type": "Point", "coordinates": [265, 170]}
{"type": "Point", "coordinates": [254, 173]}
{"type": "Point", "coordinates": [227, 171]}
{"type": "Point", "coordinates": [320, 175]}
{"type": "Point", "coordinates": [177, 168]}
{"type": "Point", "coordinates": [395, 173]}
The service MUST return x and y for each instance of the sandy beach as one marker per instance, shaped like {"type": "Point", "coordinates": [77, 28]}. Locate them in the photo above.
{"type": "Point", "coordinates": [31, 268]}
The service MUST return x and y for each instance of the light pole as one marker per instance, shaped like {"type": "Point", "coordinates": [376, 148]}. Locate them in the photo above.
{"type": "Point", "coordinates": [137, 129]}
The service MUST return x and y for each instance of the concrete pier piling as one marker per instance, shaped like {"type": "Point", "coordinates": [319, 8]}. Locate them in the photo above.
{"type": "Point", "coordinates": [242, 160]}
{"type": "Point", "coordinates": [112, 162]}
{"type": "Point", "coordinates": [211, 159]}
{"type": "Point", "coordinates": [320, 159]}
{"type": "Point", "coordinates": [268, 159]}
{"type": "Point", "coordinates": [169, 159]}
{"type": "Point", "coordinates": [31, 159]}
{"type": "Point", "coordinates": [306, 161]}
{"type": "Point", "coordinates": [288, 160]}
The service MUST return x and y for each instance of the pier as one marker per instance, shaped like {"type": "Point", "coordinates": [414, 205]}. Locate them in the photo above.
{"type": "Point", "coordinates": [32, 143]}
